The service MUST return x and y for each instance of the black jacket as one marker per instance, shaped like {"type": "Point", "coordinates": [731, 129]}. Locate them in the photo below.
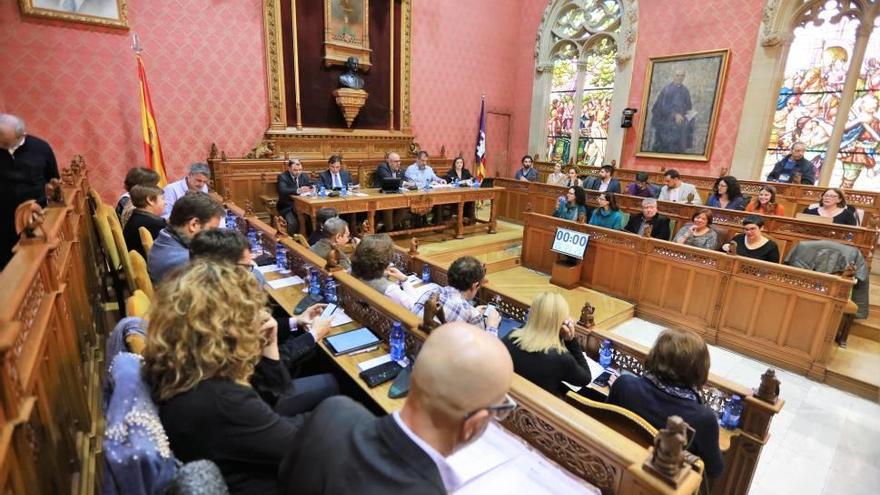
{"type": "Point", "coordinates": [327, 179]}
{"type": "Point", "coordinates": [548, 370]}
{"type": "Point", "coordinates": [343, 449]}
{"type": "Point", "coordinates": [808, 172]}
{"type": "Point", "coordinates": [383, 171]}
{"type": "Point", "coordinates": [659, 226]}
{"type": "Point", "coordinates": [465, 175]}
{"type": "Point", "coordinates": [141, 218]}
{"type": "Point", "coordinates": [287, 187]}
{"type": "Point", "coordinates": [654, 405]}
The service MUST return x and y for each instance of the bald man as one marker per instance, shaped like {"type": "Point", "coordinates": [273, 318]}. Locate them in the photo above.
{"type": "Point", "coordinates": [459, 383]}
{"type": "Point", "coordinates": [27, 163]}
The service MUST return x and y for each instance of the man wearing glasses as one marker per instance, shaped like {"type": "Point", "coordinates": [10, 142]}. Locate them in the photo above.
{"type": "Point", "coordinates": [448, 407]}
{"type": "Point", "coordinates": [390, 169]}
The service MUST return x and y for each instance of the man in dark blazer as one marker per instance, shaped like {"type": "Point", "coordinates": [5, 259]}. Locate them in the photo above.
{"type": "Point", "coordinates": [605, 181]}
{"type": "Point", "coordinates": [343, 449]}
{"type": "Point", "coordinates": [334, 177]}
{"type": "Point", "coordinates": [292, 183]}
{"type": "Point", "coordinates": [794, 163]}
{"type": "Point", "coordinates": [649, 216]}
{"type": "Point", "coordinates": [389, 169]}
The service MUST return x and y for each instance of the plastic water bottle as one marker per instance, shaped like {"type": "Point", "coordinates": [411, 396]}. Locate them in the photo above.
{"type": "Point", "coordinates": [257, 250]}
{"type": "Point", "coordinates": [281, 258]}
{"type": "Point", "coordinates": [330, 291]}
{"type": "Point", "coordinates": [322, 192]}
{"type": "Point", "coordinates": [253, 238]}
{"type": "Point", "coordinates": [314, 283]}
{"type": "Point", "coordinates": [732, 411]}
{"type": "Point", "coordinates": [426, 273]}
{"type": "Point", "coordinates": [398, 342]}
{"type": "Point", "coordinates": [230, 219]}
{"type": "Point", "coordinates": [605, 354]}
{"type": "Point", "coordinates": [344, 190]}
{"type": "Point", "coordinates": [455, 182]}
{"type": "Point", "coordinates": [476, 184]}
{"type": "Point", "coordinates": [427, 184]}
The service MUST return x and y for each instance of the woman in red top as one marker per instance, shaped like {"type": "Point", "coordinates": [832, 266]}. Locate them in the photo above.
{"type": "Point", "coordinates": [760, 204]}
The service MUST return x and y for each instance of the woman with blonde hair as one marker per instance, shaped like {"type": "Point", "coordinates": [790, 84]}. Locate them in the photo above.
{"type": "Point", "coordinates": [214, 368]}
{"type": "Point", "coordinates": [545, 351]}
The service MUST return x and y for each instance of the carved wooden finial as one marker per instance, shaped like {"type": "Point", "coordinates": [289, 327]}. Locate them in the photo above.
{"type": "Point", "coordinates": [648, 230]}
{"type": "Point", "coordinates": [227, 196]}
{"type": "Point", "coordinates": [768, 391]}
{"type": "Point", "coordinates": [770, 209]}
{"type": "Point", "coordinates": [796, 177]}
{"type": "Point", "coordinates": [849, 271]}
{"type": "Point", "coordinates": [662, 169]}
{"type": "Point", "coordinates": [874, 221]}
{"type": "Point", "coordinates": [29, 219]}
{"type": "Point", "coordinates": [722, 172]}
{"type": "Point", "coordinates": [587, 315]}
{"type": "Point", "coordinates": [76, 164]}
{"type": "Point", "coordinates": [732, 248]}
{"type": "Point", "coordinates": [614, 163]}
{"type": "Point", "coordinates": [366, 227]}
{"type": "Point", "coordinates": [53, 193]}
{"type": "Point", "coordinates": [433, 310]}
{"type": "Point", "coordinates": [414, 246]}
{"type": "Point", "coordinates": [529, 207]}
{"type": "Point", "coordinates": [333, 257]}
{"type": "Point", "coordinates": [223, 155]}
{"type": "Point", "coordinates": [280, 226]}
{"type": "Point", "coordinates": [248, 208]}
{"type": "Point", "coordinates": [690, 198]}
{"type": "Point", "coordinates": [443, 151]}
{"type": "Point", "coordinates": [212, 155]}
{"type": "Point", "coordinates": [67, 176]}
{"type": "Point", "coordinates": [667, 458]}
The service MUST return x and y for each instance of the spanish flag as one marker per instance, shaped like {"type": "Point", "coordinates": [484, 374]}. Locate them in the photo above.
{"type": "Point", "coordinates": [480, 164]}
{"type": "Point", "coordinates": [152, 147]}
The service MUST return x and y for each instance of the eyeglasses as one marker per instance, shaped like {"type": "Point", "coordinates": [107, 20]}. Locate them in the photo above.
{"type": "Point", "coordinates": [832, 195]}
{"type": "Point", "coordinates": [500, 412]}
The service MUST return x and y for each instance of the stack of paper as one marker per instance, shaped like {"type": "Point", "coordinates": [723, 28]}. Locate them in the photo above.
{"type": "Point", "coordinates": [285, 282]}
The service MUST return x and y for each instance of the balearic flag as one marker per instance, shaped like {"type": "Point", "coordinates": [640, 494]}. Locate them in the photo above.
{"type": "Point", "coordinates": [152, 147]}
{"type": "Point", "coordinates": [480, 165]}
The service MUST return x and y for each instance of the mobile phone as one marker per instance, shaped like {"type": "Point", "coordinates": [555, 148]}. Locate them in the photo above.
{"type": "Point", "coordinates": [603, 379]}
{"type": "Point", "coordinates": [328, 311]}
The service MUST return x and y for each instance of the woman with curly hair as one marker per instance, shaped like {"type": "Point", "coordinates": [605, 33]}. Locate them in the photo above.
{"type": "Point", "coordinates": [213, 366]}
{"type": "Point", "coordinates": [372, 265]}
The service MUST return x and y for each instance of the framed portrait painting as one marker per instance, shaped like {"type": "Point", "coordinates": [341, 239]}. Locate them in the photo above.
{"type": "Point", "coordinates": [347, 31]}
{"type": "Point", "coordinates": [107, 13]}
{"type": "Point", "coordinates": [681, 100]}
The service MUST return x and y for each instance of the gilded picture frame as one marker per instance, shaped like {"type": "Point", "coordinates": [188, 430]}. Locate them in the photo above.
{"type": "Point", "coordinates": [105, 13]}
{"type": "Point", "coordinates": [681, 100]}
{"type": "Point", "coordinates": [347, 32]}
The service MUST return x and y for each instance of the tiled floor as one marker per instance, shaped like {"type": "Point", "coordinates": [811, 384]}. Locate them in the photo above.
{"type": "Point", "coordinates": [823, 442]}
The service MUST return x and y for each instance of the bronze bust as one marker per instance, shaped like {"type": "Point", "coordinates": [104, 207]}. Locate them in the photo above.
{"type": "Point", "coordinates": [350, 78]}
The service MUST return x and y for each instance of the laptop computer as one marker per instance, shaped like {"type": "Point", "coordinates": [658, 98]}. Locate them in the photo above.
{"type": "Point", "coordinates": [390, 185]}
{"type": "Point", "coordinates": [487, 182]}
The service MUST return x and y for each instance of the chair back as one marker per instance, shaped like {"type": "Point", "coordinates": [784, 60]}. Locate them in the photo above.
{"type": "Point", "coordinates": [300, 239]}
{"type": "Point", "coordinates": [139, 270]}
{"type": "Point", "coordinates": [105, 236]}
{"type": "Point", "coordinates": [138, 304]}
{"type": "Point", "coordinates": [121, 248]}
{"type": "Point", "coordinates": [146, 239]}
{"type": "Point", "coordinates": [623, 421]}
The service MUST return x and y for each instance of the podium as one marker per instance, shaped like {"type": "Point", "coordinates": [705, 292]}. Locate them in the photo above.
{"type": "Point", "coordinates": [565, 274]}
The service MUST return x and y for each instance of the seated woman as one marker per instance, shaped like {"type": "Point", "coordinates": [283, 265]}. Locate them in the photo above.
{"type": "Point", "coordinates": [765, 203]}
{"type": "Point", "coordinates": [557, 178]}
{"type": "Point", "coordinates": [642, 188]}
{"type": "Point", "coordinates": [834, 206]}
{"type": "Point", "coordinates": [608, 213]}
{"type": "Point", "coordinates": [545, 351]}
{"type": "Point", "coordinates": [215, 372]}
{"type": "Point", "coordinates": [698, 232]}
{"type": "Point", "coordinates": [460, 175]}
{"type": "Point", "coordinates": [372, 265]}
{"type": "Point", "coordinates": [572, 179]}
{"type": "Point", "coordinates": [675, 369]}
{"type": "Point", "coordinates": [574, 206]}
{"type": "Point", "coordinates": [752, 243]}
{"type": "Point", "coordinates": [727, 194]}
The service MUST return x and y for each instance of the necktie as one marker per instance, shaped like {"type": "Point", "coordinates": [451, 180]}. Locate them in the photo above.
{"type": "Point", "coordinates": [336, 181]}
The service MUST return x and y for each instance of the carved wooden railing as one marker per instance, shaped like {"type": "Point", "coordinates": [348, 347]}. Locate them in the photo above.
{"type": "Point", "coordinates": [523, 197]}
{"type": "Point", "coordinates": [795, 197]}
{"type": "Point", "coordinates": [579, 443]}
{"type": "Point", "coordinates": [51, 343]}
{"type": "Point", "coordinates": [746, 442]}
{"type": "Point", "coordinates": [249, 179]}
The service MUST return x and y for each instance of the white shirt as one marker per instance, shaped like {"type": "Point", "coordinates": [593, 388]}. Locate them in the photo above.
{"type": "Point", "coordinates": [175, 191]}
{"type": "Point", "coordinates": [603, 186]}
{"type": "Point", "coordinates": [16, 146]}
{"type": "Point", "coordinates": [451, 481]}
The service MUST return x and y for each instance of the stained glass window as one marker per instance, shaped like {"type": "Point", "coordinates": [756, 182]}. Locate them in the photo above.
{"type": "Point", "coordinates": [580, 37]}
{"type": "Point", "coordinates": [810, 99]}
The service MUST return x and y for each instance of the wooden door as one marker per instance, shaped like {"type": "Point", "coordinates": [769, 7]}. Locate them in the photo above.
{"type": "Point", "coordinates": [498, 145]}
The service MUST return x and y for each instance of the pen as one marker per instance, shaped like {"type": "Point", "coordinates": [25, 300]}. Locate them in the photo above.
{"type": "Point", "coordinates": [362, 351]}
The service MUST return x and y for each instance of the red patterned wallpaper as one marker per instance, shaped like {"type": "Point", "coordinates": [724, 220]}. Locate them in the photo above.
{"type": "Point", "coordinates": [76, 85]}
{"type": "Point", "coordinates": [682, 26]}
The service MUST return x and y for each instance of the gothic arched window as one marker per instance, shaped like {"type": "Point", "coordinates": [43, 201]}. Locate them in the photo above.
{"type": "Point", "coordinates": [828, 96]}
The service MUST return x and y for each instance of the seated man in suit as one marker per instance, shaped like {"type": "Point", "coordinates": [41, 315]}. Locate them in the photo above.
{"type": "Point", "coordinates": [292, 183]}
{"type": "Point", "coordinates": [605, 181]}
{"type": "Point", "coordinates": [334, 177]}
{"type": "Point", "coordinates": [336, 235]}
{"type": "Point", "coordinates": [649, 216]}
{"type": "Point", "coordinates": [677, 191]}
{"type": "Point", "coordinates": [527, 173]}
{"type": "Point", "coordinates": [344, 449]}
{"type": "Point", "coordinates": [192, 213]}
{"type": "Point", "coordinates": [464, 277]}
{"type": "Point", "coordinates": [390, 169]}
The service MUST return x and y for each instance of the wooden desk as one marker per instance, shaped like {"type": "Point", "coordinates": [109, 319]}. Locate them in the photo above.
{"type": "Point", "coordinates": [370, 201]}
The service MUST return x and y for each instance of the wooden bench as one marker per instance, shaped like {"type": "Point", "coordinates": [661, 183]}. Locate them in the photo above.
{"type": "Point", "coordinates": [585, 447]}
{"type": "Point", "coordinates": [51, 346]}
{"type": "Point", "coordinates": [741, 447]}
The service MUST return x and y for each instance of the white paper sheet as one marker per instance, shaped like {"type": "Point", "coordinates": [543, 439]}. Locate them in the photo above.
{"type": "Point", "coordinates": [285, 282]}
{"type": "Point", "coordinates": [340, 318]}
{"type": "Point", "coordinates": [492, 449]}
{"type": "Point", "coordinates": [595, 368]}
{"type": "Point", "coordinates": [269, 268]}
{"type": "Point", "coordinates": [372, 363]}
